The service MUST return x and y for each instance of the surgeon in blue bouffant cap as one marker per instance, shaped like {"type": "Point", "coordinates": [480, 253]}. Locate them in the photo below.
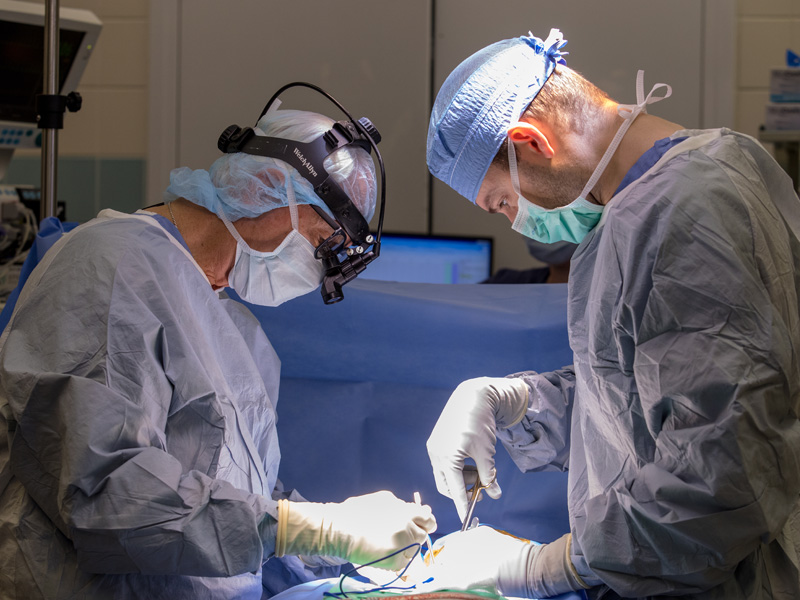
{"type": "Point", "coordinates": [678, 421]}
{"type": "Point", "coordinates": [138, 444]}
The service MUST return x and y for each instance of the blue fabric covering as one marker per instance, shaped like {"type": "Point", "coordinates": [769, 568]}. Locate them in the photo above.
{"type": "Point", "coordinates": [50, 230]}
{"type": "Point", "coordinates": [364, 381]}
{"type": "Point", "coordinates": [647, 160]}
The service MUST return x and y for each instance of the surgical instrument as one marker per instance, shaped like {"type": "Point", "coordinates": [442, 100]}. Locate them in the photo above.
{"type": "Point", "coordinates": [476, 492]}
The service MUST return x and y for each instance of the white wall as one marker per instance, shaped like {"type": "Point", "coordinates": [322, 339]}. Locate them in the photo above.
{"type": "Point", "coordinates": [685, 43]}
{"type": "Point", "coordinates": [113, 120]}
{"type": "Point", "coordinates": [217, 63]}
{"type": "Point", "coordinates": [766, 29]}
{"type": "Point", "coordinates": [103, 148]}
{"type": "Point", "coordinates": [121, 102]}
{"type": "Point", "coordinates": [234, 56]}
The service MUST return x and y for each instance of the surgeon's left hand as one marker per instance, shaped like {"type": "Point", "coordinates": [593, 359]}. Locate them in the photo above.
{"type": "Point", "coordinates": [487, 559]}
{"type": "Point", "coordinates": [361, 529]}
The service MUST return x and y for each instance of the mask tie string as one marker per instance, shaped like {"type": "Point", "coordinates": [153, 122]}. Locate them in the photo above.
{"type": "Point", "coordinates": [629, 112]}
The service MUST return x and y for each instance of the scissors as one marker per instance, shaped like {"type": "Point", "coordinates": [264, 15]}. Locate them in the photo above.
{"type": "Point", "coordinates": [476, 492]}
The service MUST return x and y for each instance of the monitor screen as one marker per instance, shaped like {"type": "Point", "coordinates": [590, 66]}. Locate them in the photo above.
{"type": "Point", "coordinates": [21, 67]}
{"type": "Point", "coordinates": [22, 33]}
{"type": "Point", "coordinates": [431, 259]}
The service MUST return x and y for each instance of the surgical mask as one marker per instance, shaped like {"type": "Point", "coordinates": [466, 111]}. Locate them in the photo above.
{"type": "Point", "coordinates": [571, 223]}
{"type": "Point", "coordinates": [272, 278]}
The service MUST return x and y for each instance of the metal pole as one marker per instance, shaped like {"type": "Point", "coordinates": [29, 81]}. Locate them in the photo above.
{"type": "Point", "coordinates": [50, 136]}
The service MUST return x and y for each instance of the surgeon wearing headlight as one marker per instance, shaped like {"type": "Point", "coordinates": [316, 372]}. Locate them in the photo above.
{"type": "Point", "coordinates": [678, 421]}
{"type": "Point", "coordinates": [138, 445]}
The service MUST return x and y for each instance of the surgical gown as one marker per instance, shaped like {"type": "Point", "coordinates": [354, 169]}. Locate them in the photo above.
{"type": "Point", "coordinates": [683, 445]}
{"type": "Point", "coordinates": [141, 406]}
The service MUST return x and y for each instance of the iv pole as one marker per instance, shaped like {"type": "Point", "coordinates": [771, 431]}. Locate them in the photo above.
{"type": "Point", "coordinates": [50, 109]}
{"type": "Point", "coordinates": [50, 89]}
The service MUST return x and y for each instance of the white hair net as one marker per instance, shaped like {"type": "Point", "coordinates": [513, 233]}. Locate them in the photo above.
{"type": "Point", "coordinates": [244, 185]}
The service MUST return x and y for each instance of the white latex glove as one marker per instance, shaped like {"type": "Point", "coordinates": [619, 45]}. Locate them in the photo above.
{"type": "Point", "coordinates": [487, 559]}
{"type": "Point", "coordinates": [360, 529]}
{"type": "Point", "coordinates": [466, 429]}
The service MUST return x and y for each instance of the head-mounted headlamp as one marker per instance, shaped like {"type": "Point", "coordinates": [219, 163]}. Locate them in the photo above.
{"type": "Point", "coordinates": [351, 247]}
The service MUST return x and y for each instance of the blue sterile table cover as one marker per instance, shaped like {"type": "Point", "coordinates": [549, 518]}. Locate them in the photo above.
{"type": "Point", "coordinates": [363, 382]}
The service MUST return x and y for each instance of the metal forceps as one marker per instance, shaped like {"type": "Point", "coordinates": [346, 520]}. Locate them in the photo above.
{"type": "Point", "coordinates": [476, 492]}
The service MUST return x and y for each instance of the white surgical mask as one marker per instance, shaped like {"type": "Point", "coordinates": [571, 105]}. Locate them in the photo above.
{"type": "Point", "coordinates": [572, 222]}
{"type": "Point", "coordinates": [272, 278]}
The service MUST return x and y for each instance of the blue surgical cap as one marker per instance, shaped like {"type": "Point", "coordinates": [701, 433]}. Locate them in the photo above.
{"type": "Point", "coordinates": [480, 100]}
{"type": "Point", "coordinates": [245, 185]}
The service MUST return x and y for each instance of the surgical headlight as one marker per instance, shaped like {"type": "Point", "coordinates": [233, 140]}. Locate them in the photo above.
{"type": "Point", "coordinates": [351, 247]}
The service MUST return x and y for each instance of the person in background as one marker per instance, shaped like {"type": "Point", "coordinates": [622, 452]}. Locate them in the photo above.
{"type": "Point", "coordinates": [138, 445]}
{"type": "Point", "coordinates": [678, 421]}
{"type": "Point", "coordinates": [555, 256]}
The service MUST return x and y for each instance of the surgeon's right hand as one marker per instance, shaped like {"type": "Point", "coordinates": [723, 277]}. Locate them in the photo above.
{"type": "Point", "coordinates": [501, 563]}
{"type": "Point", "coordinates": [466, 429]}
{"type": "Point", "coordinates": [360, 529]}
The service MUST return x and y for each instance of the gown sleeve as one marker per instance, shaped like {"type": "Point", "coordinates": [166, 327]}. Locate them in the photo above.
{"type": "Point", "coordinates": [540, 442]}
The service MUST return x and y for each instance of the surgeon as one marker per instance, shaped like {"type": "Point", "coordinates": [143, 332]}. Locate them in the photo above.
{"type": "Point", "coordinates": [138, 447]}
{"type": "Point", "coordinates": [678, 421]}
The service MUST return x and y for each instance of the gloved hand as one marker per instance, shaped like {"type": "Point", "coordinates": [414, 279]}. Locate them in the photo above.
{"type": "Point", "coordinates": [500, 563]}
{"type": "Point", "coordinates": [466, 429]}
{"type": "Point", "coordinates": [360, 529]}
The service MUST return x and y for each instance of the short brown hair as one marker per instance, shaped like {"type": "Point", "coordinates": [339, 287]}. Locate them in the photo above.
{"type": "Point", "coordinates": [567, 100]}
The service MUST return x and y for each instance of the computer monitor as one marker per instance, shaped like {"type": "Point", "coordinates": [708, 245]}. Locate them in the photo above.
{"type": "Point", "coordinates": [420, 258]}
{"type": "Point", "coordinates": [22, 66]}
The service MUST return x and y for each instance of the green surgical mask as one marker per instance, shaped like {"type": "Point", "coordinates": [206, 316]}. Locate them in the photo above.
{"type": "Point", "coordinates": [568, 223]}
{"type": "Point", "coordinates": [571, 223]}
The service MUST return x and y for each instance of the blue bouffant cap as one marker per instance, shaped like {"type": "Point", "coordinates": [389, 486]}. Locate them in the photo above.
{"type": "Point", "coordinates": [480, 100]}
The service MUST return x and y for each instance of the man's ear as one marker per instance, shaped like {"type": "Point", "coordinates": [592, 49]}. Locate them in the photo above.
{"type": "Point", "coordinates": [531, 137]}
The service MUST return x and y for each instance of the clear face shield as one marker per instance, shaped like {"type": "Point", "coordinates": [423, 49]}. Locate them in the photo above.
{"type": "Point", "coordinates": [351, 246]}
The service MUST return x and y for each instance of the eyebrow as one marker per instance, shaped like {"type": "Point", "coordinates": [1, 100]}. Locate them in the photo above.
{"type": "Point", "coordinates": [492, 202]}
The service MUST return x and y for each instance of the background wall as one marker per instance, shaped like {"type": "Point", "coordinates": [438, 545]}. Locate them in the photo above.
{"type": "Point", "coordinates": [766, 28]}
{"type": "Point", "coordinates": [635, 35]}
{"type": "Point", "coordinates": [105, 148]}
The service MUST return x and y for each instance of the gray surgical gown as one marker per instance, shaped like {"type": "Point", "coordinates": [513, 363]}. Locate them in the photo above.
{"type": "Point", "coordinates": [142, 411]}
{"type": "Point", "coordinates": [683, 445]}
